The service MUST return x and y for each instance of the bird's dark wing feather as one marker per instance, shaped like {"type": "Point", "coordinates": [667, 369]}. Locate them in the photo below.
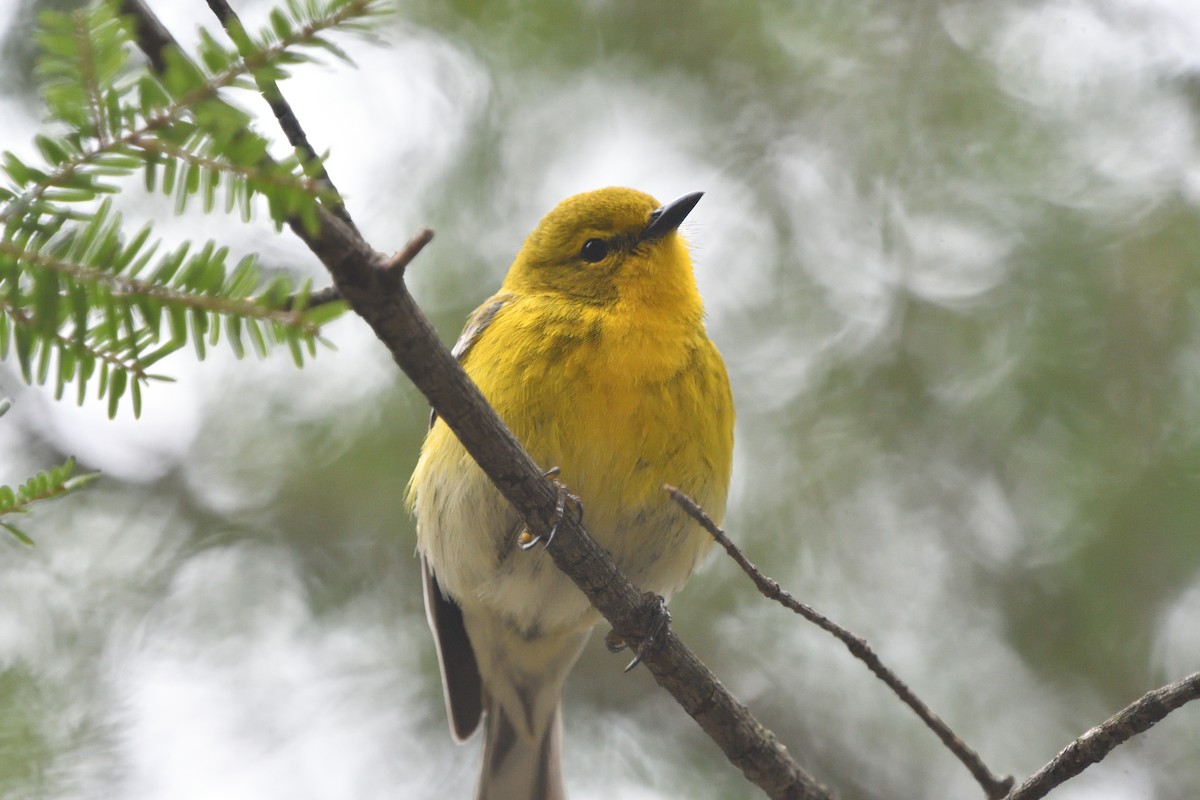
{"type": "Point", "coordinates": [461, 684]}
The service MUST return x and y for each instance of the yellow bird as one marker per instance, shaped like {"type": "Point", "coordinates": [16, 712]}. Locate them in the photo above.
{"type": "Point", "coordinates": [594, 353]}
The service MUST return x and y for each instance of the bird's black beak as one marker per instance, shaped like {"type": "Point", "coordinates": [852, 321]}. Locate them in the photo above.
{"type": "Point", "coordinates": [665, 219]}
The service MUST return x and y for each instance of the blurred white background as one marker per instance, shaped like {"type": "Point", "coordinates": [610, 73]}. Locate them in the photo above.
{"type": "Point", "coordinates": [951, 252]}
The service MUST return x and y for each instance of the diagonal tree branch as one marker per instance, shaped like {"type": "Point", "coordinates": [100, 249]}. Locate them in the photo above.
{"type": "Point", "coordinates": [1090, 748]}
{"type": "Point", "coordinates": [374, 287]}
{"type": "Point", "coordinates": [378, 294]}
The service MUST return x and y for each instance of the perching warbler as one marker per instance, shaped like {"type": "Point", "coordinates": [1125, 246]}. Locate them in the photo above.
{"type": "Point", "coordinates": [595, 355]}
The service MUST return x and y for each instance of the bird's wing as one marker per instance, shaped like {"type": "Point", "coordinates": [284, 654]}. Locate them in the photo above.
{"type": "Point", "coordinates": [461, 685]}
{"type": "Point", "coordinates": [480, 318]}
{"type": "Point", "coordinates": [476, 323]}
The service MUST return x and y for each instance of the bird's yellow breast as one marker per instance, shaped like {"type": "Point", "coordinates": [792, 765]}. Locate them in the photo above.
{"type": "Point", "coordinates": [608, 396]}
{"type": "Point", "coordinates": [621, 404]}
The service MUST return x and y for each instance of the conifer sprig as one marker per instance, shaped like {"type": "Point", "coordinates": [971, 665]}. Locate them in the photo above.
{"type": "Point", "coordinates": [89, 301]}
{"type": "Point", "coordinates": [46, 485]}
{"type": "Point", "coordinates": [82, 295]}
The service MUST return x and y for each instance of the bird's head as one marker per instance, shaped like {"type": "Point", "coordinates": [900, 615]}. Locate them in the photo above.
{"type": "Point", "coordinates": [610, 246]}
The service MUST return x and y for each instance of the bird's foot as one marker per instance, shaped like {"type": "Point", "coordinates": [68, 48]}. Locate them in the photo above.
{"type": "Point", "coordinates": [659, 619]}
{"type": "Point", "coordinates": [527, 539]}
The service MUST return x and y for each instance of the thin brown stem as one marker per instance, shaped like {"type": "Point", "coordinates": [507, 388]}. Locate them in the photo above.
{"type": "Point", "coordinates": [87, 58]}
{"type": "Point", "coordinates": [398, 262]}
{"type": "Point", "coordinates": [995, 787]}
{"type": "Point", "coordinates": [401, 259]}
{"type": "Point", "coordinates": [321, 297]}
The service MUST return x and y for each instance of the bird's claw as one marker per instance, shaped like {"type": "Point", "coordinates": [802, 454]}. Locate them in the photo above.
{"type": "Point", "coordinates": [527, 540]}
{"type": "Point", "coordinates": [615, 642]}
{"type": "Point", "coordinates": [659, 618]}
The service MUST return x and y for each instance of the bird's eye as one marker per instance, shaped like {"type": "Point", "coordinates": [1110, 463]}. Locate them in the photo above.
{"type": "Point", "coordinates": [594, 250]}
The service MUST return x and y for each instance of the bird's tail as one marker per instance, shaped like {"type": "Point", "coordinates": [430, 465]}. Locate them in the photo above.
{"type": "Point", "coordinates": [517, 766]}
{"type": "Point", "coordinates": [523, 679]}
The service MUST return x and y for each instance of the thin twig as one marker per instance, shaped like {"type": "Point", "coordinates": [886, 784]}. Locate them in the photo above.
{"type": "Point", "coordinates": [994, 786]}
{"type": "Point", "coordinates": [283, 111]}
{"type": "Point", "coordinates": [1091, 747]}
{"type": "Point", "coordinates": [91, 83]}
{"type": "Point", "coordinates": [401, 259]}
{"type": "Point", "coordinates": [398, 262]}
